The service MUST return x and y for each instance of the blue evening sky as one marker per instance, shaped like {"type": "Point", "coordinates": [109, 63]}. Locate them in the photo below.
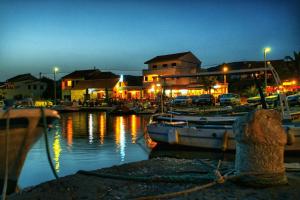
{"type": "Point", "coordinates": [122, 35]}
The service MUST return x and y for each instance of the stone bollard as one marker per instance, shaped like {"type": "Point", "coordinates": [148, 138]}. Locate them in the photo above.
{"type": "Point", "coordinates": [260, 140]}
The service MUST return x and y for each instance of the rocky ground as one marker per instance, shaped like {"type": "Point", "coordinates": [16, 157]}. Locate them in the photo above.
{"type": "Point", "coordinates": [155, 177]}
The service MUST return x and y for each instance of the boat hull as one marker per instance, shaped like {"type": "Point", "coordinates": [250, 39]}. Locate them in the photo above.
{"type": "Point", "coordinates": [24, 130]}
{"type": "Point", "coordinates": [206, 137]}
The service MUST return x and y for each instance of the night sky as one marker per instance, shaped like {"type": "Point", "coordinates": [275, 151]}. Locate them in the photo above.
{"type": "Point", "coordinates": [122, 35]}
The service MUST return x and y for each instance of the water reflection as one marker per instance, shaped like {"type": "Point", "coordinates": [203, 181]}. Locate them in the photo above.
{"type": "Point", "coordinates": [102, 127]}
{"type": "Point", "coordinates": [69, 131]}
{"type": "Point", "coordinates": [120, 136]}
{"type": "Point", "coordinates": [90, 125]}
{"type": "Point", "coordinates": [133, 122]}
{"type": "Point", "coordinates": [86, 141]}
{"type": "Point", "coordinates": [56, 150]}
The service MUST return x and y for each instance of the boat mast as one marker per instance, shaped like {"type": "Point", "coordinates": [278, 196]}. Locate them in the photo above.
{"type": "Point", "coordinates": [284, 106]}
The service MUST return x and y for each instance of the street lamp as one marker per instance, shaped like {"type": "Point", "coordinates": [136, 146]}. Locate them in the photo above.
{"type": "Point", "coordinates": [225, 70]}
{"type": "Point", "coordinates": [55, 70]}
{"type": "Point", "coordinates": [266, 50]}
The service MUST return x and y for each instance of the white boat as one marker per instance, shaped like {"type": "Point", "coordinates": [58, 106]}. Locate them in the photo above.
{"type": "Point", "coordinates": [204, 132]}
{"type": "Point", "coordinates": [24, 128]}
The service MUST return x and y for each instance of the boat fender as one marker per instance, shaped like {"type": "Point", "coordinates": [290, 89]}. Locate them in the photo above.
{"type": "Point", "coordinates": [290, 138]}
{"type": "Point", "coordinates": [225, 141]}
{"type": "Point", "coordinates": [173, 136]}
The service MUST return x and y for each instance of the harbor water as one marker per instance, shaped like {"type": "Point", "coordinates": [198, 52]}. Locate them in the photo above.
{"type": "Point", "coordinates": [86, 141]}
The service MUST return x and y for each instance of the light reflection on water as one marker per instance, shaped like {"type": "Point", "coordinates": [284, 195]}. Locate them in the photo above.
{"type": "Point", "coordinates": [85, 141]}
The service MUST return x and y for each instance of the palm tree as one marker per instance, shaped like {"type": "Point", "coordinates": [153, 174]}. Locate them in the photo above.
{"type": "Point", "coordinates": [295, 61]}
{"type": "Point", "coordinates": [208, 82]}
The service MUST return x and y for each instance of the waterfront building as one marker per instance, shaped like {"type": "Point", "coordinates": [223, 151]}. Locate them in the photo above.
{"type": "Point", "coordinates": [96, 85]}
{"type": "Point", "coordinates": [132, 87]}
{"type": "Point", "coordinates": [23, 86]}
{"type": "Point", "coordinates": [88, 84]}
{"type": "Point", "coordinates": [172, 64]}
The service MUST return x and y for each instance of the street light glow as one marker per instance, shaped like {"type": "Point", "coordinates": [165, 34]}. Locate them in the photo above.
{"type": "Point", "coordinates": [267, 49]}
{"type": "Point", "coordinates": [56, 69]}
{"type": "Point", "coordinates": [225, 69]}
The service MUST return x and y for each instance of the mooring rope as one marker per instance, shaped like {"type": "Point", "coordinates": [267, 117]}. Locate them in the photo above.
{"type": "Point", "coordinates": [4, 189]}
{"type": "Point", "coordinates": [47, 143]}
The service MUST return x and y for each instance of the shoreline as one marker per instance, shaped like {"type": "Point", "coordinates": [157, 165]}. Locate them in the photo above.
{"type": "Point", "coordinates": [153, 177]}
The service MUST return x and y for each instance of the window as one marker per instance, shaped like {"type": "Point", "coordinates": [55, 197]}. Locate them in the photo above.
{"type": "Point", "coordinates": [154, 66]}
{"type": "Point", "coordinates": [165, 65]}
{"type": "Point", "coordinates": [34, 87]}
{"type": "Point", "coordinates": [154, 78]}
{"type": "Point", "coordinates": [69, 83]}
{"type": "Point", "coordinates": [41, 87]}
{"type": "Point", "coordinates": [173, 64]}
{"type": "Point", "coordinates": [29, 87]}
{"type": "Point", "coordinates": [146, 78]}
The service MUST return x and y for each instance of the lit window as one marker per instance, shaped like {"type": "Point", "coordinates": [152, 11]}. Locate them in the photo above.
{"type": "Point", "coordinates": [69, 83]}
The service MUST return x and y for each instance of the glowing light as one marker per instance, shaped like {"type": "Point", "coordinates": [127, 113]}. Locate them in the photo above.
{"type": "Point", "coordinates": [55, 69]}
{"type": "Point", "coordinates": [225, 69]}
{"type": "Point", "coordinates": [289, 82]}
{"type": "Point", "coordinates": [158, 85]}
{"type": "Point", "coordinates": [90, 127]}
{"type": "Point", "coordinates": [267, 49]}
{"type": "Point", "coordinates": [121, 78]}
{"type": "Point", "coordinates": [120, 136]}
{"type": "Point", "coordinates": [133, 128]}
{"type": "Point", "coordinates": [56, 151]}
{"type": "Point", "coordinates": [69, 83]}
{"type": "Point", "coordinates": [183, 91]}
{"type": "Point", "coordinates": [102, 127]}
{"type": "Point", "coordinates": [167, 92]}
{"type": "Point", "coordinates": [216, 86]}
{"type": "Point", "coordinates": [69, 131]}
{"type": "Point", "coordinates": [91, 90]}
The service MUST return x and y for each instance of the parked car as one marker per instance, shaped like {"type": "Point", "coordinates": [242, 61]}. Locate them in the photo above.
{"type": "Point", "coordinates": [255, 99]}
{"type": "Point", "coordinates": [204, 99]}
{"type": "Point", "coordinates": [182, 100]}
{"type": "Point", "coordinates": [294, 99]}
{"type": "Point", "coordinates": [230, 99]}
{"type": "Point", "coordinates": [272, 99]}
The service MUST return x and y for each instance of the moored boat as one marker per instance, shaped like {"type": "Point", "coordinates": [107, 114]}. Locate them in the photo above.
{"type": "Point", "coordinates": [20, 128]}
{"type": "Point", "coordinates": [205, 132]}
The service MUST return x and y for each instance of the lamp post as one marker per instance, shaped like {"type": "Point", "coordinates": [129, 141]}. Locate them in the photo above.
{"type": "Point", "coordinates": [266, 50]}
{"type": "Point", "coordinates": [225, 69]}
{"type": "Point", "coordinates": [55, 70]}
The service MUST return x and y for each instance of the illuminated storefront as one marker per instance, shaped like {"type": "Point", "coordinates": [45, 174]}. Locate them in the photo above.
{"type": "Point", "coordinates": [286, 86]}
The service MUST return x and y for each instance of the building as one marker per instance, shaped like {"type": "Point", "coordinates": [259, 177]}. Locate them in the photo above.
{"type": "Point", "coordinates": [95, 85]}
{"type": "Point", "coordinates": [172, 64]}
{"type": "Point", "coordinates": [88, 84]}
{"type": "Point", "coordinates": [23, 86]}
{"type": "Point", "coordinates": [132, 87]}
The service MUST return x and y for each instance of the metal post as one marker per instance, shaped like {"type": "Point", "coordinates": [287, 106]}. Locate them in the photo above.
{"type": "Point", "coordinates": [265, 63]}
{"type": "Point", "coordinates": [54, 87]}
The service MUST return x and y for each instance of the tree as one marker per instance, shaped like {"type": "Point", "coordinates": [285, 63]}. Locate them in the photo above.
{"type": "Point", "coordinates": [296, 62]}
{"type": "Point", "coordinates": [208, 82]}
